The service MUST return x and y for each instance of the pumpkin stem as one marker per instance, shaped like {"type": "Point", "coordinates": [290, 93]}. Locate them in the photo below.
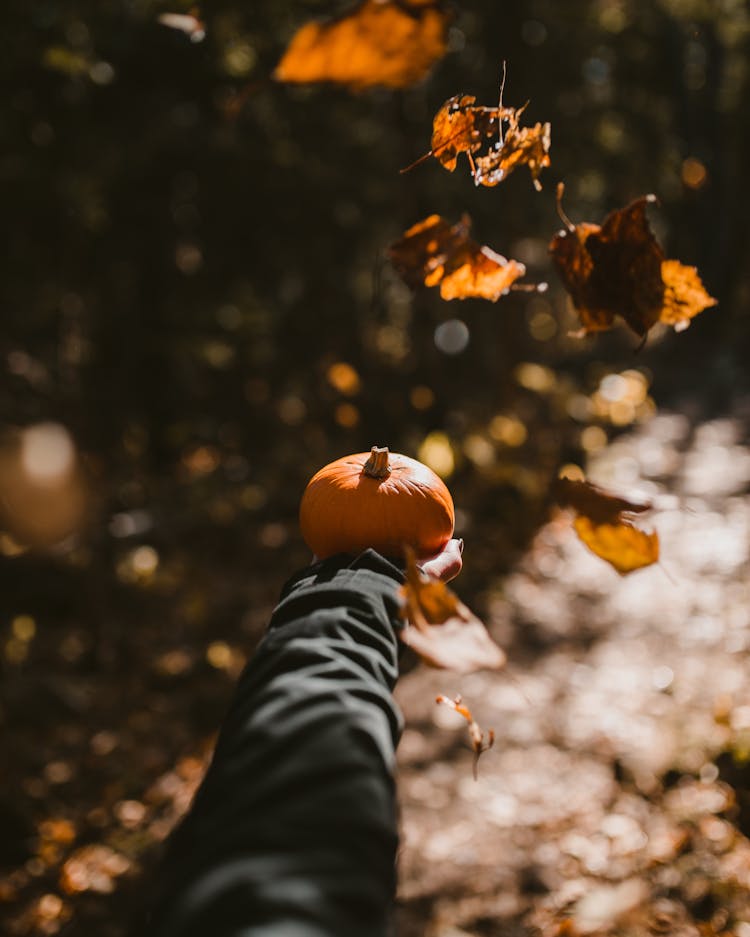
{"type": "Point", "coordinates": [377, 465]}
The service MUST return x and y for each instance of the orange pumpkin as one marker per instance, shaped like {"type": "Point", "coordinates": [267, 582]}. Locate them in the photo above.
{"type": "Point", "coordinates": [377, 499]}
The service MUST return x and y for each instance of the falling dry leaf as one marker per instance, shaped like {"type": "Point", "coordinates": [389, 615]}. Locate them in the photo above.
{"type": "Point", "coordinates": [622, 545]}
{"type": "Point", "coordinates": [684, 295]}
{"type": "Point", "coordinates": [594, 502]}
{"type": "Point", "coordinates": [441, 629]}
{"type": "Point", "coordinates": [391, 43]}
{"type": "Point", "coordinates": [520, 146]}
{"type": "Point", "coordinates": [478, 743]}
{"type": "Point", "coordinates": [604, 526]}
{"type": "Point", "coordinates": [462, 126]}
{"type": "Point", "coordinates": [619, 268]}
{"type": "Point", "coordinates": [433, 252]}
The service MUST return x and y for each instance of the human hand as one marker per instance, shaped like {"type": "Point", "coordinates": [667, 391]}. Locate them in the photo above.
{"type": "Point", "coordinates": [446, 564]}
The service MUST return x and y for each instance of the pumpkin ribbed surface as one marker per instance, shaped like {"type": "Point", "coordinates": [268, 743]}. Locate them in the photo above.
{"type": "Point", "coordinates": [345, 509]}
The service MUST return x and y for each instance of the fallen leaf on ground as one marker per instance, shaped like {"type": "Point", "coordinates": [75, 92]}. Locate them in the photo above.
{"type": "Point", "coordinates": [434, 252]}
{"type": "Point", "coordinates": [391, 43]}
{"type": "Point", "coordinates": [478, 743]}
{"type": "Point", "coordinates": [441, 629]}
{"type": "Point", "coordinates": [619, 268]}
{"type": "Point", "coordinates": [604, 526]}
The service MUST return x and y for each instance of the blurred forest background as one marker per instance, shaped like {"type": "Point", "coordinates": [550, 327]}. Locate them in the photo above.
{"type": "Point", "coordinates": [197, 314]}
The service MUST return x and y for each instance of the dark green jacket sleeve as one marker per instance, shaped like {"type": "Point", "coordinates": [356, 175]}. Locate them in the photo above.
{"type": "Point", "coordinates": [293, 831]}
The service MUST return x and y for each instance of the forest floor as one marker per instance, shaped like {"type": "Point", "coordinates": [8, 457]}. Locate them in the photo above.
{"type": "Point", "coordinates": [616, 798]}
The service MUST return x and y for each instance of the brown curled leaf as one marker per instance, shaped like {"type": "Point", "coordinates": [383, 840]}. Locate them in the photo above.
{"type": "Point", "coordinates": [618, 269]}
{"type": "Point", "coordinates": [601, 506]}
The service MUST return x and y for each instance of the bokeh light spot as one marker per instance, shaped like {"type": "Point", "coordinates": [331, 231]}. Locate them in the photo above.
{"type": "Point", "coordinates": [421, 397]}
{"type": "Point", "coordinates": [292, 410]}
{"type": "Point", "coordinates": [188, 258]}
{"type": "Point", "coordinates": [346, 415]}
{"type": "Point", "coordinates": [102, 73]}
{"type": "Point", "coordinates": [508, 430]}
{"type": "Point", "coordinates": [593, 438]}
{"type": "Point", "coordinates": [613, 387]}
{"type": "Point", "coordinates": [144, 561]}
{"type": "Point", "coordinates": [437, 452]}
{"type": "Point", "coordinates": [535, 377]}
{"type": "Point", "coordinates": [452, 337]}
{"type": "Point", "coordinates": [694, 173]}
{"type": "Point", "coordinates": [344, 378]}
{"type": "Point", "coordinates": [23, 628]}
{"type": "Point", "coordinates": [219, 655]}
{"type": "Point", "coordinates": [47, 453]}
{"type": "Point", "coordinates": [542, 326]}
{"type": "Point", "coordinates": [479, 449]}
{"type": "Point", "coordinates": [239, 59]}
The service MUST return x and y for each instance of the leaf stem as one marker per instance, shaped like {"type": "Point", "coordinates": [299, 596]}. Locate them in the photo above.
{"type": "Point", "coordinates": [560, 211]}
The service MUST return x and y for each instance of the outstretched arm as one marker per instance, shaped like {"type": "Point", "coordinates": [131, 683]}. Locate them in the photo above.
{"type": "Point", "coordinates": [293, 831]}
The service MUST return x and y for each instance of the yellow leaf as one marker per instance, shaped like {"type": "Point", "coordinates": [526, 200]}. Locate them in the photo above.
{"type": "Point", "coordinates": [623, 546]}
{"type": "Point", "coordinates": [684, 294]}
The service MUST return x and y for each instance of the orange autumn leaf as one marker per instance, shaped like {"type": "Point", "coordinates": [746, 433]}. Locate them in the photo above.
{"type": "Point", "coordinates": [622, 545]}
{"type": "Point", "coordinates": [604, 525]}
{"type": "Point", "coordinates": [433, 252]}
{"type": "Point", "coordinates": [462, 126]}
{"type": "Point", "coordinates": [684, 295]}
{"type": "Point", "coordinates": [388, 43]}
{"type": "Point", "coordinates": [619, 268]}
{"type": "Point", "coordinates": [520, 146]}
{"type": "Point", "coordinates": [478, 743]}
{"type": "Point", "coordinates": [481, 274]}
{"type": "Point", "coordinates": [440, 628]}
